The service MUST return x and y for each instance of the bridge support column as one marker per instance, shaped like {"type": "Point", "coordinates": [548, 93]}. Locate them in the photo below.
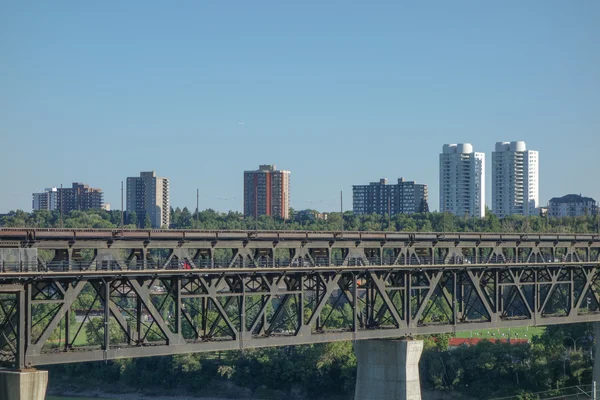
{"type": "Point", "coordinates": [388, 369]}
{"type": "Point", "coordinates": [28, 384]}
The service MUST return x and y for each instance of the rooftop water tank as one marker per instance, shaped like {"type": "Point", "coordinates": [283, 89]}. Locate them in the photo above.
{"type": "Point", "coordinates": [464, 148]}
{"type": "Point", "coordinates": [518, 146]}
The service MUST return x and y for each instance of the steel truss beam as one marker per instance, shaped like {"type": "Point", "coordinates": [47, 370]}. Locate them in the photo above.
{"type": "Point", "coordinates": [47, 320]}
{"type": "Point", "coordinates": [83, 295]}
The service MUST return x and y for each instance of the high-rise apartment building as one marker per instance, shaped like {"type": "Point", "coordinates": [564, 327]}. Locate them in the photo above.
{"type": "Point", "coordinates": [515, 188]}
{"type": "Point", "coordinates": [462, 180]}
{"type": "Point", "coordinates": [78, 197]}
{"type": "Point", "coordinates": [46, 200]}
{"type": "Point", "coordinates": [404, 197]}
{"type": "Point", "coordinates": [149, 195]}
{"type": "Point", "coordinates": [572, 205]}
{"type": "Point", "coordinates": [267, 192]}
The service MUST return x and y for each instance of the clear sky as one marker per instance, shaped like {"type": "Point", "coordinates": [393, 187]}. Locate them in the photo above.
{"type": "Point", "coordinates": [338, 92]}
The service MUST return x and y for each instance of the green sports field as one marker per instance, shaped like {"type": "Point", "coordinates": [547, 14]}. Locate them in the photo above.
{"type": "Point", "coordinates": [523, 333]}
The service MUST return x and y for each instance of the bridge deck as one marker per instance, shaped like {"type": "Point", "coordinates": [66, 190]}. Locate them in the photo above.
{"type": "Point", "coordinates": [269, 235]}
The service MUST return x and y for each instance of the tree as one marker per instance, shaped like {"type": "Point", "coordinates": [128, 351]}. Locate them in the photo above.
{"type": "Point", "coordinates": [423, 207]}
{"type": "Point", "coordinates": [426, 226]}
{"type": "Point", "coordinates": [94, 331]}
{"type": "Point", "coordinates": [147, 222]}
{"type": "Point", "coordinates": [185, 219]}
{"type": "Point", "coordinates": [132, 218]}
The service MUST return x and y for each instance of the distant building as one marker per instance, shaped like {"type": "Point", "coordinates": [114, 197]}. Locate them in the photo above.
{"type": "Point", "coordinates": [462, 180]}
{"type": "Point", "coordinates": [572, 205]}
{"type": "Point", "coordinates": [267, 192]}
{"type": "Point", "coordinates": [404, 197]}
{"type": "Point", "coordinates": [515, 187]}
{"type": "Point", "coordinates": [149, 195]}
{"type": "Point", "coordinates": [46, 200]}
{"type": "Point", "coordinates": [106, 206]}
{"type": "Point", "coordinates": [79, 197]}
{"type": "Point", "coordinates": [310, 215]}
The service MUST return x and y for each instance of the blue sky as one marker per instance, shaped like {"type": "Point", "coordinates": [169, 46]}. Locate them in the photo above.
{"type": "Point", "coordinates": [336, 92]}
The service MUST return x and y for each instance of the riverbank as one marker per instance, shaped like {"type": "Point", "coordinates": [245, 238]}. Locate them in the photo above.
{"type": "Point", "coordinates": [98, 395]}
{"type": "Point", "coordinates": [105, 396]}
{"type": "Point", "coordinates": [133, 396]}
{"type": "Point", "coordinates": [95, 390]}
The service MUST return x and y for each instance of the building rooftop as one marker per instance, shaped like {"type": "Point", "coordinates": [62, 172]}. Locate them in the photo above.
{"type": "Point", "coordinates": [461, 148]}
{"type": "Point", "coordinates": [511, 146]}
{"type": "Point", "coordinates": [572, 198]}
{"type": "Point", "coordinates": [267, 168]}
{"type": "Point", "coordinates": [384, 181]}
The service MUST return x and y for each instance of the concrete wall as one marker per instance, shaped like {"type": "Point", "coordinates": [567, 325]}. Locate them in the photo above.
{"type": "Point", "coordinates": [388, 369]}
{"type": "Point", "coordinates": [23, 385]}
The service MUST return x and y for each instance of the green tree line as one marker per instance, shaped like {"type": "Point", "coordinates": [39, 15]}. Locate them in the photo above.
{"type": "Point", "coordinates": [210, 219]}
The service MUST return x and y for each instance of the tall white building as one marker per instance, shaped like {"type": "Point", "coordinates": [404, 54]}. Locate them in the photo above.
{"type": "Point", "coordinates": [515, 188]}
{"type": "Point", "coordinates": [46, 200]}
{"type": "Point", "coordinates": [149, 195]}
{"type": "Point", "coordinates": [462, 180]}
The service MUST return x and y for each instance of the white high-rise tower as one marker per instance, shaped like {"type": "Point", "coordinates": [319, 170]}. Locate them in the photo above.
{"type": "Point", "coordinates": [462, 180]}
{"type": "Point", "coordinates": [515, 188]}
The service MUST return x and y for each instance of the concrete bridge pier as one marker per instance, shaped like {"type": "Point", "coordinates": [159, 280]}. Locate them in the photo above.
{"type": "Point", "coordinates": [388, 369]}
{"type": "Point", "coordinates": [28, 384]}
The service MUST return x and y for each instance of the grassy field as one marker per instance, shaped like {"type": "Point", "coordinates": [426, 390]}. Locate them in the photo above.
{"type": "Point", "coordinates": [523, 333]}
{"type": "Point", "coordinates": [81, 339]}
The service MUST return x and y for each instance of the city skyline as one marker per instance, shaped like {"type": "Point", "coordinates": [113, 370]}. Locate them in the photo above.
{"type": "Point", "coordinates": [366, 92]}
{"type": "Point", "coordinates": [460, 150]}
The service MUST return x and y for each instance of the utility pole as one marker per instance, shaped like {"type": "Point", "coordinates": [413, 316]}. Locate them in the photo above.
{"type": "Point", "coordinates": [473, 214]}
{"type": "Point", "coordinates": [255, 208]}
{"type": "Point", "coordinates": [444, 221]}
{"type": "Point", "coordinates": [342, 210]}
{"type": "Point", "coordinates": [122, 219]}
{"type": "Point", "coordinates": [389, 211]}
{"type": "Point", "coordinates": [548, 217]}
{"type": "Point", "coordinates": [61, 207]}
{"type": "Point", "coordinates": [527, 215]}
{"type": "Point", "coordinates": [598, 216]}
{"type": "Point", "coordinates": [197, 205]}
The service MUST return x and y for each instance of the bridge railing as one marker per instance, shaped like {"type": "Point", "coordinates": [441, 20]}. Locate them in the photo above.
{"type": "Point", "coordinates": [263, 262]}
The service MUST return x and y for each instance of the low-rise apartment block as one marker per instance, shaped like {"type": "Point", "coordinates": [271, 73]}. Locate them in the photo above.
{"type": "Point", "coordinates": [403, 197]}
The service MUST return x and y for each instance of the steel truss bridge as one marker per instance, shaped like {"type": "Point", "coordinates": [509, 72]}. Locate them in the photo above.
{"type": "Point", "coordinates": [83, 295]}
